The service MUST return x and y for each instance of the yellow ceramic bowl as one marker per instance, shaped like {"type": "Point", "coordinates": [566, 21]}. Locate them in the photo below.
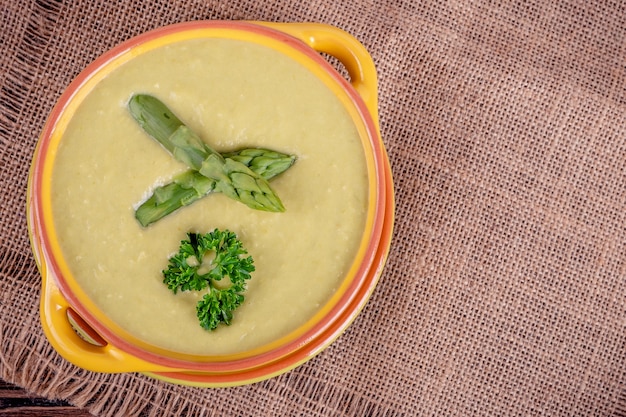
{"type": "Point", "coordinates": [85, 336]}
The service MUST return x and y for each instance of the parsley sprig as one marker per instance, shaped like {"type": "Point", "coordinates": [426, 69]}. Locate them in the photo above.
{"type": "Point", "coordinates": [224, 278]}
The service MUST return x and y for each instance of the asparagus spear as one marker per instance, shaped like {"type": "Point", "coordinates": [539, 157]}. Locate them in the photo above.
{"type": "Point", "coordinates": [231, 176]}
{"type": "Point", "coordinates": [264, 162]}
{"type": "Point", "coordinates": [191, 186]}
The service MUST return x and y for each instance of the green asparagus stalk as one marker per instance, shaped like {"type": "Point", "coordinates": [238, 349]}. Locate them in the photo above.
{"type": "Point", "coordinates": [191, 186]}
{"type": "Point", "coordinates": [158, 121]}
{"type": "Point", "coordinates": [241, 175]}
{"type": "Point", "coordinates": [264, 162]}
{"type": "Point", "coordinates": [231, 176]}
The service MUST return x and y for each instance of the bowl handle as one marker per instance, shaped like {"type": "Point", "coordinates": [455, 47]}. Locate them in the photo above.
{"type": "Point", "coordinates": [88, 351]}
{"type": "Point", "coordinates": [343, 46]}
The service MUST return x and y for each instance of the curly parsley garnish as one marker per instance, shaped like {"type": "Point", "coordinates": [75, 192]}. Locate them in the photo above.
{"type": "Point", "coordinates": [214, 262]}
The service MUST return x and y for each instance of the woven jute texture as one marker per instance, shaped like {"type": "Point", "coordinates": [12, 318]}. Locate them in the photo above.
{"type": "Point", "coordinates": [505, 289]}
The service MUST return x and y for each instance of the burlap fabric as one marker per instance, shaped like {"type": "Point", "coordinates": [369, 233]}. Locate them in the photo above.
{"type": "Point", "coordinates": [505, 289]}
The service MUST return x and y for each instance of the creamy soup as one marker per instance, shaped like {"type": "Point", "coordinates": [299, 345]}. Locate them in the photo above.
{"type": "Point", "coordinates": [234, 94]}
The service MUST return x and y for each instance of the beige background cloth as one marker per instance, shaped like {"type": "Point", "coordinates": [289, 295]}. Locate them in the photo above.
{"type": "Point", "coordinates": [505, 289]}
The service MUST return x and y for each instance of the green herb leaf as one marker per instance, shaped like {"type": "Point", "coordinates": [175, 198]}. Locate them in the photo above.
{"type": "Point", "coordinates": [184, 273]}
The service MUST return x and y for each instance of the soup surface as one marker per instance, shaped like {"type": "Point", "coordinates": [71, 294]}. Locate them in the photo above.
{"type": "Point", "coordinates": [234, 94]}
